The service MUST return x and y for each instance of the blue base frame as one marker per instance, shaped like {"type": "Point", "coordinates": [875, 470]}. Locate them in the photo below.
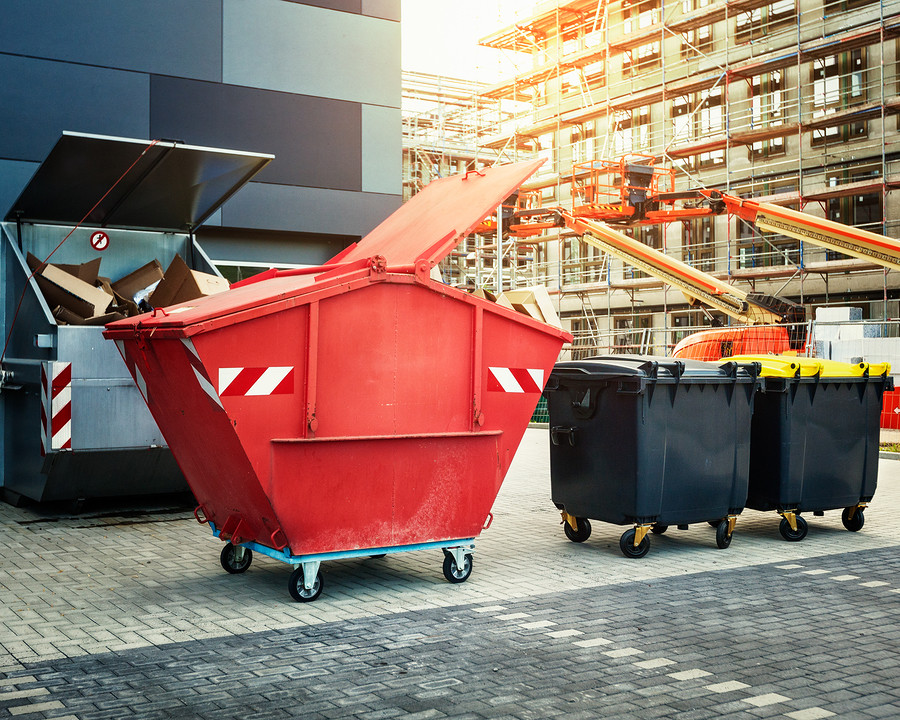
{"type": "Point", "coordinates": [286, 556]}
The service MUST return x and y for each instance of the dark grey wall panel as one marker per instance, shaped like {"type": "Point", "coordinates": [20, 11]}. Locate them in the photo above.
{"type": "Point", "coordinates": [169, 37]}
{"type": "Point", "coordinates": [41, 98]}
{"type": "Point", "coordinates": [14, 176]}
{"type": "Point", "coordinates": [387, 9]}
{"type": "Point", "coordinates": [316, 142]}
{"type": "Point", "coordinates": [230, 246]}
{"type": "Point", "coordinates": [279, 207]}
{"type": "Point", "coordinates": [310, 50]}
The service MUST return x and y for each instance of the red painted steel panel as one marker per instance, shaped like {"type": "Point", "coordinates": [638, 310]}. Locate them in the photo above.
{"type": "Point", "coordinates": [441, 214]}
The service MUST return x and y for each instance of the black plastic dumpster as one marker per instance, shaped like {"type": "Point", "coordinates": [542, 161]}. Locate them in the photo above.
{"type": "Point", "coordinates": [651, 442]}
{"type": "Point", "coordinates": [814, 439]}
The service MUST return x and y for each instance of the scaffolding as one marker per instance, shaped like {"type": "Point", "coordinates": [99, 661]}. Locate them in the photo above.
{"type": "Point", "coordinates": [791, 102]}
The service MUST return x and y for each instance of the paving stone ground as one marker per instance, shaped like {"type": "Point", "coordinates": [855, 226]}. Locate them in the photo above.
{"type": "Point", "coordinates": [131, 616]}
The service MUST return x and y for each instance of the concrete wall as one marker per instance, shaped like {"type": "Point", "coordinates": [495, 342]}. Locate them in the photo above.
{"type": "Point", "coordinates": [315, 83]}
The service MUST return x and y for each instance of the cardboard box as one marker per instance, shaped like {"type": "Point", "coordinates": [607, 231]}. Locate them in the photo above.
{"type": "Point", "coordinates": [127, 287]}
{"type": "Point", "coordinates": [180, 284]}
{"type": "Point", "coordinates": [60, 288]}
{"type": "Point", "coordinates": [534, 302]}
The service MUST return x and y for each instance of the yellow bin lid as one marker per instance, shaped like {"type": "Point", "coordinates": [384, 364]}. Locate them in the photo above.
{"type": "Point", "coordinates": [792, 366]}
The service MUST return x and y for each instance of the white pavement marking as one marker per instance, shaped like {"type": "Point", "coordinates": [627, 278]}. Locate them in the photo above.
{"type": "Point", "coordinates": [874, 583]}
{"type": "Point", "coordinates": [623, 652]}
{"type": "Point", "coordinates": [36, 708]}
{"type": "Point", "coordinates": [689, 674]}
{"type": "Point", "coordinates": [844, 578]}
{"type": "Point", "coordinates": [767, 699]}
{"type": "Point", "coordinates": [724, 687]}
{"type": "Point", "coordinates": [512, 616]}
{"type": "Point", "coordinates": [537, 624]}
{"type": "Point", "coordinates": [490, 608]}
{"type": "Point", "coordinates": [657, 663]}
{"type": "Point", "coordinates": [593, 642]}
{"type": "Point", "coordinates": [817, 572]}
{"type": "Point", "coordinates": [813, 713]}
{"type": "Point", "coordinates": [564, 633]}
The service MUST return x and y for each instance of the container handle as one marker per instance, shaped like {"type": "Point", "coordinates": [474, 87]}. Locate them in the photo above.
{"type": "Point", "coordinates": [557, 432]}
{"type": "Point", "coordinates": [200, 515]}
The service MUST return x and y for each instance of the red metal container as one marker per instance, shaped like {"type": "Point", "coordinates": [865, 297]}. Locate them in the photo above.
{"type": "Point", "coordinates": [356, 408]}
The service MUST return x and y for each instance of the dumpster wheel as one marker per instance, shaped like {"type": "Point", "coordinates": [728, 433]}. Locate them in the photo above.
{"type": "Point", "coordinates": [853, 518]}
{"type": "Point", "coordinates": [297, 584]}
{"type": "Point", "coordinates": [629, 549]}
{"type": "Point", "coordinates": [581, 531]}
{"type": "Point", "coordinates": [453, 571]}
{"type": "Point", "coordinates": [793, 534]}
{"type": "Point", "coordinates": [235, 559]}
{"type": "Point", "coordinates": [659, 528]}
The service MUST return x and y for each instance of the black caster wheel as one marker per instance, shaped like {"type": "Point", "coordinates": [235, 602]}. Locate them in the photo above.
{"type": "Point", "coordinates": [723, 537]}
{"type": "Point", "coordinates": [299, 591]}
{"type": "Point", "coordinates": [582, 533]}
{"type": "Point", "coordinates": [453, 572]}
{"type": "Point", "coordinates": [789, 533]}
{"type": "Point", "coordinates": [626, 545]}
{"type": "Point", "coordinates": [659, 528]}
{"type": "Point", "coordinates": [855, 523]}
{"type": "Point", "coordinates": [230, 563]}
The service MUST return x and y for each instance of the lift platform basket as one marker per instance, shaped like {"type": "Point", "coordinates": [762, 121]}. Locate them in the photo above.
{"type": "Point", "coordinates": [356, 408]}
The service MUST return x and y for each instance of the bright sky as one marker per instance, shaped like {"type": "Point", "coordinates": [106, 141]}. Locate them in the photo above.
{"type": "Point", "coordinates": [441, 38]}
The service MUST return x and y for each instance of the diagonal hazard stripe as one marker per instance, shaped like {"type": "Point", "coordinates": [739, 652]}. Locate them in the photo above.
{"type": "Point", "coordinates": [515, 380]}
{"type": "Point", "coordinates": [272, 379]}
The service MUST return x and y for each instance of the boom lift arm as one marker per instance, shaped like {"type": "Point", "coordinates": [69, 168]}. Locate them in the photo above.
{"type": "Point", "coordinates": [832, 235]}
{"type": "Point", "coordinates": [697, 286]}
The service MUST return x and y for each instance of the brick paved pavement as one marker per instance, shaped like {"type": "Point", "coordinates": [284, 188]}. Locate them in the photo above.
{"type": "Point", "coordinates": [132, 617]}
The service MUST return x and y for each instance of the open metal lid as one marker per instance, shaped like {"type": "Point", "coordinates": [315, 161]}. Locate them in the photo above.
{"type": "Point", "coordinates": [435, 219]}
{"type": "Point", "coordinates": [169, 186]}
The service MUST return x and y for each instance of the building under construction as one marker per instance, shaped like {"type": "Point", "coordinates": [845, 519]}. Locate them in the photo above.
{"type": "Point", "coordinates": [791, 103]}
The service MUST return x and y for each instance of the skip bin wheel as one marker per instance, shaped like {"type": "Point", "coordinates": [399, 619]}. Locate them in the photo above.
{"type": "Point", "coordinates": [788, 533]}
{"type": "Point", "coordinates": [453, 572]}
{"type": "Point", "coordinates": [855, 523]}
{"type": "Point", "coordinates": [626, 545]}
{"type": "Point", "coordinates": [659, 528]}
{"type": "Point", "coordinates": [723, 537]}
{"type": "Point", "coordinates": [228, 558]}
{"type": "Point", "coordinates": [582, 533]}
{"type": "Point", "coordinates": [298, 590]}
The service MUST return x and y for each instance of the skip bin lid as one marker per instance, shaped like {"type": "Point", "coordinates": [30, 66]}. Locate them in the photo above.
{"type": "Point", "coordinates": [431, 224]}
{"type": "Point", "coordinates": [169, 186]}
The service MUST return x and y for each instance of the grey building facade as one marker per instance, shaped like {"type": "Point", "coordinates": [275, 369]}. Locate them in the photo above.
{"type": "Point", "coordinates": [315, 83]}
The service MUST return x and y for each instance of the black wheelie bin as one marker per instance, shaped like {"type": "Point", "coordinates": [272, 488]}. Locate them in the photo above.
{"type": "Point", "coordinates": [649, 442]}
{"type": "Point", "coordinates": [814, 439]}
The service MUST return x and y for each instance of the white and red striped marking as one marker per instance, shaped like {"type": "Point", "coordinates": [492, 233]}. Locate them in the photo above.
{"type": "Point", "coordinates": [200, 372]}
{"type": "Point", "coordinates": [256, 381]}
{"type": "Point", "coordinates": [515, 380]}
{"type": "Point", "coordinates": [56, 406]}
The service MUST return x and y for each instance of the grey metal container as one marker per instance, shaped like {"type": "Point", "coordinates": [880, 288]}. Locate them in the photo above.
{"type": "Point", "coordinates": [73, 424]}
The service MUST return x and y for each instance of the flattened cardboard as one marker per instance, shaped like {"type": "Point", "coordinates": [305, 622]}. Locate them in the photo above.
{"type": "Point", "coordinates": [534, 302]}
{"type": "Point", "coordinates": [61, 288]}
{"type": "Point", "coordinates": [64, 316]}
{"type": "Point", "coordinates": [134, 282]}
{"type": "Point", "coordinates": [180, 284]}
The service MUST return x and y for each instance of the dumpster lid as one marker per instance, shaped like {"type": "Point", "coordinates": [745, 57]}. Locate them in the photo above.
{"type": "Point", "coordinates": [604, 367]}
{"type": "Point", "coordinates": [435, 219]}
{"type": "Point", "coordinates": [792, 367]}
{"type": "Point", "coordinates": [171, 186]}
